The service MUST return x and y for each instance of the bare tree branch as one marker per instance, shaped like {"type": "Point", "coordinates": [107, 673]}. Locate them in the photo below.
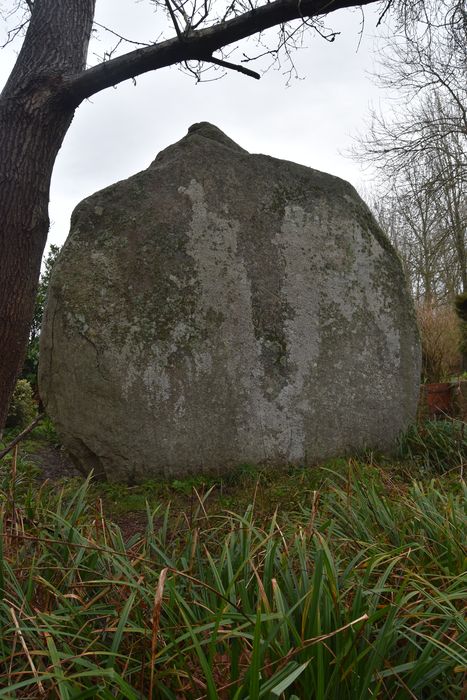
{"type": "Point", "coordinates": [233, 66]}
{"type": "Point", "coordinates": [195, 45]}
{"type": "Point", "coordinates": [120, 36]}
{"type": "Point", "coordinates": [174, 19]}
{"type": "Point", "coordinates": [22, 435]}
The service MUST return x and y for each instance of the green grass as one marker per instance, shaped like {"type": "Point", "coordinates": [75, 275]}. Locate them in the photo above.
{"type": "Point", "coordinates": [344, 582]}
{"type": "Point", "coordinates": [436, 446]}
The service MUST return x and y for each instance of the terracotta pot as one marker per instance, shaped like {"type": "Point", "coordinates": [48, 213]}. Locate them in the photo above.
{"type": "Point", "coordinates": [438, 399]}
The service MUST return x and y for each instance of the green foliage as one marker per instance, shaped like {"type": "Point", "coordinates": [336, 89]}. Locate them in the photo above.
{"type": "Point", "coordinates": [46, 432]}
{"type": "Point", "coordinates": [32, 356]}
{"type": "Point", "coordinates": [438, 446]}
{"type": "Point", "coordinates": [268, 487]}
{"type": "Point", "coordinates": [358, 597]}
{"type": "Point", "coordinates": [22, 408]}
{"type": "Point", "coordinates": [188, 485]}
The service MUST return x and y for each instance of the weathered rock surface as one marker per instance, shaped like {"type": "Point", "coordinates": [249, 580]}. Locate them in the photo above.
{"type": "Point", "coordinates": [223, 308]}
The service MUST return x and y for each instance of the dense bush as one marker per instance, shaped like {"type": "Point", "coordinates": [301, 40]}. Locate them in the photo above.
{"type": "Point", "coordinates": [440, 337]}
{"type": "Point", "coordinates": [22, 408]}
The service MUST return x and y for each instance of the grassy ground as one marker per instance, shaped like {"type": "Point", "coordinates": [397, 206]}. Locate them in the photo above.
{"type": "Point", "coordinates": [429, 449]}
{"type": "Point", "coordinates": [343, 581]}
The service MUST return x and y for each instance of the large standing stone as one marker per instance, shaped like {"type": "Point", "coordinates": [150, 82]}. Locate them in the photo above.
{"type": "Point", "coordinates": [223, 308]}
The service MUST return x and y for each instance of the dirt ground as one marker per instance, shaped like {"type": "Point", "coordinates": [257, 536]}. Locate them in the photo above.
{"type": "Point", "coordinates": [53, 462]}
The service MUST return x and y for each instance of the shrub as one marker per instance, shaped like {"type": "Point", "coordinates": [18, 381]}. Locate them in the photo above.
{"type": "Point", "coordinates": [439, 446]}
{"type": "Point", "coordinates": [46, 431]}
{"type": "Point", "coordinates": [440, 336]}
{"type": "Point", "coordinates": [31, 362]}
{"type": "Point", "coordinates": [23, 408]}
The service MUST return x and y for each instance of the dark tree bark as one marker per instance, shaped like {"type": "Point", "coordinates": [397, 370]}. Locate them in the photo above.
{"type": "Point", "coordinates": [34, 118]}
{"type": "Point", "coordinates": [37, 105]}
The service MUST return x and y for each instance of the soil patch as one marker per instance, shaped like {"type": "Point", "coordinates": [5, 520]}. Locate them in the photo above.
{"type": "Point", "coordinates": [53, 462]}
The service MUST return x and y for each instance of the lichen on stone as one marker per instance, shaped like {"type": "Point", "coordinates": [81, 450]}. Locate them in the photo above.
{"type": "Point", "coordinates": [222, 308]}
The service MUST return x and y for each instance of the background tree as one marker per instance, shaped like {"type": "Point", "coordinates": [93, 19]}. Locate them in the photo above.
{"type": "Point", "coordinates": [424, 68]}
{"type": "Point", "coordinates": [50, 80]}
{"type": "Point", "coordinates": [419, 149]}
{"type": "Point", "coordinates": [423, 210]}
{"type": "Point", "coordinates": [450, 183]}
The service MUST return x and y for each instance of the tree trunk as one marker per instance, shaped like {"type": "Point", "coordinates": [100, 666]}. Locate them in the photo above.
{"type": "Point", "coordinates": [34, 118]}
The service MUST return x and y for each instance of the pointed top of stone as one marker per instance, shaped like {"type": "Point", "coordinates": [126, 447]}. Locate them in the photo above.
{"type": "Point", "coordinates": [210, 131]}
{"type": "Point", "coordinates": [202, 135]}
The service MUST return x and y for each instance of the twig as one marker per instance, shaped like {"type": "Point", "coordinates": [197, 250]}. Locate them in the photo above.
{"type": "Point", "coordinates": [384, 12]}
{"type": "Point", "coordinates": [174, 19]}
{"type": "Point", "coordinates": [14, 463]}
{"type": "Point", "coordinates": [22, 435]}
{"type": "Point", "coordinates": [233, 66]}
{"type": "Point", "coordinates": [26, 651]}
{"type": "Point", "coordinates": [120, 36]}
{"type": "Point", "coordinates": [156, 618]}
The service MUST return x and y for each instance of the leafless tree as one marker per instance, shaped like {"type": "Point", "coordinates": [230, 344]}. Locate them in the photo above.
{"type": "Point", "coordinates": [407, 212]}
{"type": "Point", "coordinates": [449, 180]}
{"type": "Point", "coordinates": [420, 148]}
{"type": "Point", "coordinates": [425, 217]}
{"type": "Point", "coordinates": [424, 68]}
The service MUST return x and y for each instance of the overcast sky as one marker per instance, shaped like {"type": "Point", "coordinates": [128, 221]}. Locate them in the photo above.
{"type": "Point", "coordinates": [120, 131]}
